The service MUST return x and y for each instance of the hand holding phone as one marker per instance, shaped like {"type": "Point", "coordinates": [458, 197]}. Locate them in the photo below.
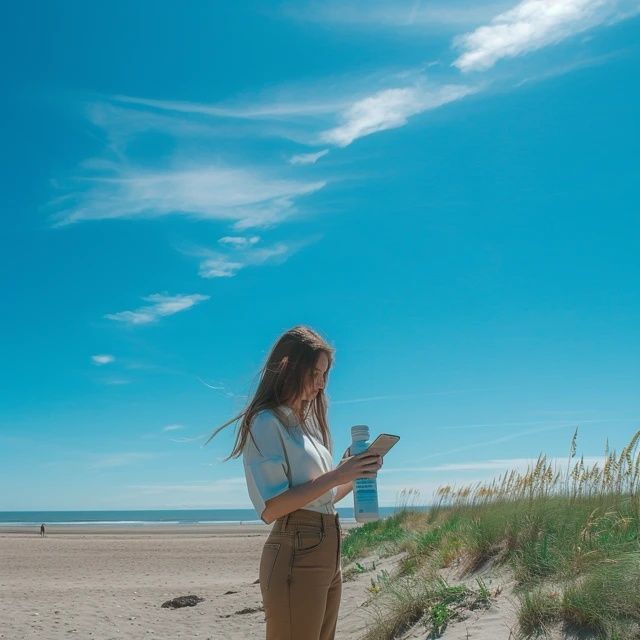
{"type": "Point", "coordinates": [380, 446]}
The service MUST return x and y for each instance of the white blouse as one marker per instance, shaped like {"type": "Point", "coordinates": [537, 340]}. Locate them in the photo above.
{"type": "Point", "coordinates": [266, 467]}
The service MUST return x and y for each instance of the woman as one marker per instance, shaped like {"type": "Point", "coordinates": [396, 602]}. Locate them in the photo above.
{"type": "Point", "coordinates": [287, 449]}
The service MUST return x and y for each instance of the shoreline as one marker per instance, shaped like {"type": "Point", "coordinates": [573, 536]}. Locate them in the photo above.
{"type": "Point", "coordinates": [146, 529]}
{"type": "Point", "coordinates": [222, 529]}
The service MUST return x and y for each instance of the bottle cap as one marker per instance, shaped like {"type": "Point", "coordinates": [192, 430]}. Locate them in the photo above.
{"type": "Point", "coordinates": [360, 432]}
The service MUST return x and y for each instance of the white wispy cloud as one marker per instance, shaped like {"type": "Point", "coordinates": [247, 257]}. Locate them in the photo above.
{"type": "Point", "coordinates": [216, 264]}
{"type": "Point", "coordinates": [224, 266]}
{"type": "Point", "coordinates": [427, 479]}
{"type": "Point", "coordinates": [308, 158]}
{"type": "Point", "coordinates": [210, 493]}
{"type": "Point", "coordinates": [207, 487]}
{"type": "Point", "coordinates": [162, 305]}
{"type": "Point", "coordinates": [187, 439]}
{"type": "Point", "coordinates": [501, 464]}
{"type": "Point", "coordinates": [563, 68]}
{"type": "Point", "coordinates": [245, 197]}
{"type": "Point", "coordinates": [239, 241]}
{"type": "Point", "coordinates": [127, 182]}
{"type": "Point", "coordinates": [390, 494]}
{"type": "Point", "coordinates": [222, 388]}
{"type": "Point", "coordinates": [121, 123]}
{"type": "Point", "coordinates": [533, 24]}
{"type": "Point", "coordinates": [219, 266]}
{"type": "Point", "coordinates": [173, 427]}
{"type": "Point", "coordinates": [346, 110]}
{"type": "Point", "coordinates": [102, 359]}
{"type": "Point", "coordinates": [401, 396]}
{"type": "Point", "coordinates": [112, 460]}
{"type": "Point", "coordinates": [389, 109]}
{"type": "Point", "coordinates": [266, 109]}
{"type": "Point", "coordinates": [544, 424]}
{"type": "Point", "coordinates": [506, 438]}
{"type": "Point", "coordinates": [433, 15]}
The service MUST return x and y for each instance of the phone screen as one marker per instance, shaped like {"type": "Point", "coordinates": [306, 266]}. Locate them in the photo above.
{"type": "Point", "coordinates": [382, 444]}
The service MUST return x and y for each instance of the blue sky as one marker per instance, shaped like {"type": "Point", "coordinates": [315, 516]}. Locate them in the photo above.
{"type": "Point", "coordinates": [447, 191]}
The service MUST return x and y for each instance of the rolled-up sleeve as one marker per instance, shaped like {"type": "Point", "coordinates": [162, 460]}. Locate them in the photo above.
{"type": "Point", "coordinates": [264, 462]}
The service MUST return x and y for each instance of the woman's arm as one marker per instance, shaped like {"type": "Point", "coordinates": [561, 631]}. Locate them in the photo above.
{"type": "Point", "coordinates": [361, 466]}
{"type": "Point", "coordinates": [343, 490]}
{"type": "Point", "coordinates": [347, 487]}
{"type": "Point", "coordinates": [298, 497]}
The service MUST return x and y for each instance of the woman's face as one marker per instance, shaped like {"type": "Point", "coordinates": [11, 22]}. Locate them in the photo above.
{"type": "Point", "coordinates": [316, 378]}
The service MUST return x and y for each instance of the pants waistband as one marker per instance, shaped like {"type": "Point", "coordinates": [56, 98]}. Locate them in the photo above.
{"type": "Point", "coordinates": [307, 516]}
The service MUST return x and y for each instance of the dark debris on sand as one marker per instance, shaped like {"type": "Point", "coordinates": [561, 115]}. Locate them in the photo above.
{"type": "Point", "coordinates": [182, 601]}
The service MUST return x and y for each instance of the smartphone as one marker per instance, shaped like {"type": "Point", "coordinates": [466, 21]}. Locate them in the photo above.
{"type": "Point", "coordinates": [381, 445]}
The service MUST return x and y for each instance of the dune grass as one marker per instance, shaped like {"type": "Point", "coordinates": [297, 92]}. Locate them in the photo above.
{"type": "Point", "coordinates": [570, 537]}
{"type": "Point", "coordinates": [373, 535]}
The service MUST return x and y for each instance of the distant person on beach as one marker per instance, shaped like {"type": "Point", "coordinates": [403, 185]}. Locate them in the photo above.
{"type": "Point", "coordinates": [42, 530]}
{"type": "Point", "coordinates": [292, 482]}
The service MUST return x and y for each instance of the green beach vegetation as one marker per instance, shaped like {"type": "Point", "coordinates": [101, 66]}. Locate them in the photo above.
{"type": "Point", "coordinates": [566, 539]}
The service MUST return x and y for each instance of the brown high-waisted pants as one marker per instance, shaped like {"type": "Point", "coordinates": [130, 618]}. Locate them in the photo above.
{"type": "Point", "coordinates": [301, 577]}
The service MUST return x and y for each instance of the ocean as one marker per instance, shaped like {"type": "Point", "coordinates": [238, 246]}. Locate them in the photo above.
{"type": "Point", "coordinates": [142, 517]}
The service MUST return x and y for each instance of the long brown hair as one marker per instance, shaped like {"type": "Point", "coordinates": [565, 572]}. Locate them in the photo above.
{"type": "Point", "coordinates": [282, 380]}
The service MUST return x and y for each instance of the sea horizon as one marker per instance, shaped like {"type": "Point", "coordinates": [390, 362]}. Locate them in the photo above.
{"type": "Point", "coordinates": [145, 517]}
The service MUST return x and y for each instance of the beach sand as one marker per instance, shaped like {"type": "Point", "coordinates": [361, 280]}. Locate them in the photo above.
{"type": "Point", "coordinates": [102, 583]}
{"type": "Point", "coordinates": [109, 583]}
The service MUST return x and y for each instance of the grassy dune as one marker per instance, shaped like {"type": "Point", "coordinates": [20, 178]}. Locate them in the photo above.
{"type": "Point", "coordinates": [569, 538]}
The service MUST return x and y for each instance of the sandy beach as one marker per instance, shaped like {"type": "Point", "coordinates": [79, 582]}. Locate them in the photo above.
{"type": "Point", "coordinates": [110, 582]}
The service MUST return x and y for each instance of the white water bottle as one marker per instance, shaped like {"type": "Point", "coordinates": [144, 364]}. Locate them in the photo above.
{"type": "Point", "coordinates": [365, 490]}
